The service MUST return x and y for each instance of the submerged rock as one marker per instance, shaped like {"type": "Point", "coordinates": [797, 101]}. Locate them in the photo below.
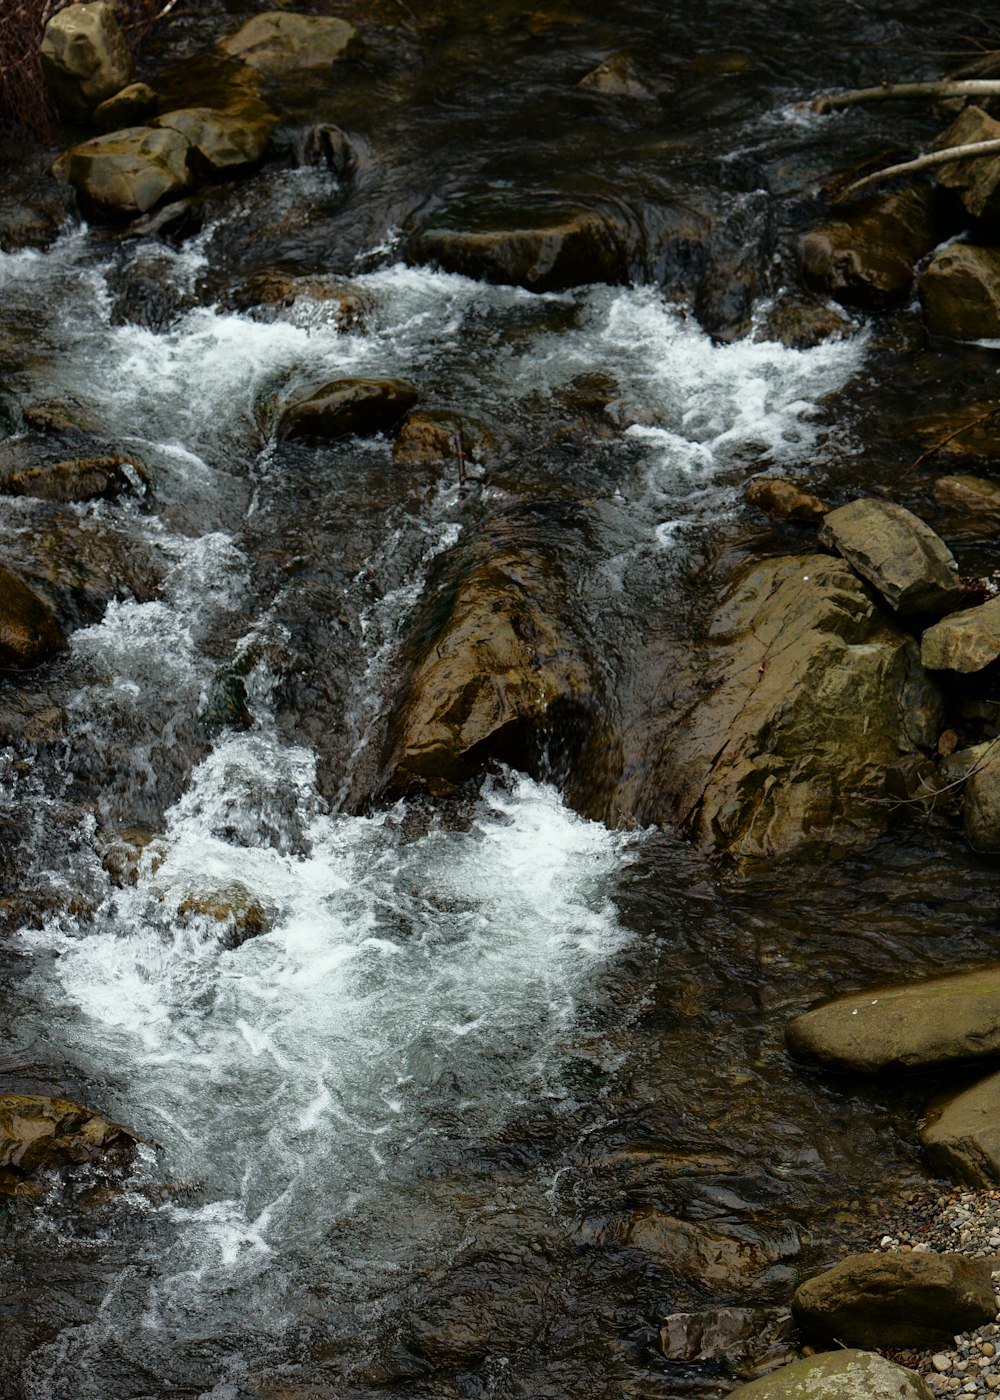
{"type": "Point", "coordinates": [433, 436]}
{"type": "Point", "coordinates": [848, 1374]}
{"type": "Point", "coordinates": [911, 566]}
{"type": "Point", "coordinates": [129, 172]}
{"type": "Point", "coordinates": [279, 42]}
{"type": "Point", "coordinates": [364, 407]}
{"type": "Point", "coordinates": [617, 76]}
{"type": "Point", "coordinates": [741, 1337]}
{"type": "Point", "coordinates": [802, 323]}
{"type": "Point", "coordinates": [692, 1251]}
{"type": "Point", "coordinates": [85, 58]}
{"type": "Point", "coordinates": [38, 1133]}
{"type": "Point", "coordinates": [896, 1300]}
{"type": "Point", "coordinates": [546, 248]}
{"type": "Point", "coordinates": [490, 674]}
{"type": "Point", "coordinates": [961, 1135]}
{"type": "Point", "coordinates": [934, 1022]}
{"type": "Point", "coordinates": [29, 632]}
{"type": "Point", "coordinates": [960, 292]}
{"type": "Point", "coordinates": [867, 259]}
{"type": "Point", "coordinates": [976, 498]}
{"type": "Point", "coordinates": [784, 499]}
{"type": "Point", "coordinates": [964, 641]}
{"type": "Point", "coordinates": [976, 181]}
{"type": "Point", "coordinates": [85, 479]}
{"type": "Point", "coordinates": [816, 700]}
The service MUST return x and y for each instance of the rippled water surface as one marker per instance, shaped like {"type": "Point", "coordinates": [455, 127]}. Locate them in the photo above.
{"type": "Point", "coordinates": [393, 1123]}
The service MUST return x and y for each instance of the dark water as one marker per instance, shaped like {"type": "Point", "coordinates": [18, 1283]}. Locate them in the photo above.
{"type": "Point", "coordinates": [396, 1142]}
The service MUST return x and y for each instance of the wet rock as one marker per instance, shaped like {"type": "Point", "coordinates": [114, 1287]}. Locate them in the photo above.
{"type": "Point", "coordinates": [698, 1254]}
{"type": "Point", "coordinates": [961, 1135]}
{"type": "Point", "coordinates": [128, 172]}
{"type": "Point", "coordinates": [282, 290]}
{"type": "Point", "coordinates": [966, 433]}
{"type": "Point", "coordinates": [364, 407]}
{"type": "Point", "coordinates": [976, 181]}
{"type": "Point", "coordinates": [432, 437]}
{"type": "Point", "coordinates": [279, 43]}
{"type": "Point", "coordinates": [981, 800]}
{"type": "Point", "coordinates": [226, 141]}
{"type": "Point", "coordinates": [960, 292]}
{"type": "Point", "coordinates": [896, 1300]}
{"type": "Point", "coordinates": [38, 1133]}
{"type": "Point", "coordinates": [816, 700]}
{"type": "Point", "coordinates": [784, 499]}
{"type": "Point", "coordinates": [490, 673]}
{"type": "Point", "coordinates": [964, 641]}
{"type": "Point", "coordinates": [742, 1337]}
{"type": "Point", "coordinates": [86, 479]}
{"type": "Point", "coordinates": [617, 76]}
{"type": "Point", "coordinates": [801, 323]}
{"type": "Point", "coordinates": [898, 554]}
{"type": "Point", "coordinates": [235, 907]}
{"type": "Point", "coordinates": [31, 215]}
{"type": "Point", "coordinates": [974, 498]}
{"type": "Point", "coordinates": [867, 258]}
{"type": "Point", "coordinates": [329, 145]}
{"type": "Point", "coordinates": [546, 248]}
{"type": "Point", "coordinates": [933, 1022]}
{"type": "Point", "coordinates": [79, 563]}
{"type": "Point", "coordinates": [837, 1375]}
{"type": "Point", "coordinates": [130, 107]}
{"type": "Point", "coordinates": [29, 632]}
{"type": "Point", "coordinates": [85, 58]}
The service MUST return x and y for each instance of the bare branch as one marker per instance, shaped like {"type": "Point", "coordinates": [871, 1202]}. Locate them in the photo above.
{"type": "Point", "coordinates": [889, 92]}
{"type": "Point", "coordinates": [926, 162]}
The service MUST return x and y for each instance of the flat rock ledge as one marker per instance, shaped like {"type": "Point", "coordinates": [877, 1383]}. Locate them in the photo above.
{"type": "Point", "coordinates": [898, 554]}
{"type": "Point", "coordinates": [837, 1375]}
{"type": "Point", "coordinates": [935, 1022]}
{"type": "Point", "coordinates": [896, 1300]}
{"type": "Point", "coordinates": [965, 641]}
{"type": "Point", "coordinates": [961, 1134]}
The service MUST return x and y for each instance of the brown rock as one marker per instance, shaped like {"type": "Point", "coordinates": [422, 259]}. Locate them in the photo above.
{"type": "Point", "coordinates": [364, 407]}
{"type": "Point", "coordinates": [784, 499]}
{"type": "Point", "coordinates": [961, 1135]}
{"type": "Point", "coordinates": [960, 292]}
{"type": "Point", "coordinates": [128, 172]}
{"type": "Point", "coordinates": [977, 181]}
{"type": "Point", "coordinates": [897, 1300]}
{"type": "Point", "coordinates": [86, 479]}
{"type": "Point", "coordinates": [432, 437]}
{"type": "Point", "coordinates": [280, 43]}
{"type": "Point", "coordinates": [912, 568]}
{"type": "Point", "coordinates": [981, 798]}
{"type": "Point", "coordinates": [976, 498]}
{"type": "Point", "coordinates": [130, 107]}
{"type": "Point", "coordinates": [696, 1253]}
{"type": "Point", "coordinates": [617, 76]}
{"type": "Point", "coordinates": [85, 58]}
{"type": "Point", "coordinates": [29, 632]}
{"type": "Point", "coordinates": [225, 140]}
{"type": "Point", "coordinates": [867, 259]}
{"type": "Point", "coordinates": [38, 1133]}
{"type": "Point", "coordinates": [965, 641]}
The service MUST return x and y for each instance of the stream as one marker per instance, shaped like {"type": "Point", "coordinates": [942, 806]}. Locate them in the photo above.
{"type": "Point", "coordinates": [390, 1137]}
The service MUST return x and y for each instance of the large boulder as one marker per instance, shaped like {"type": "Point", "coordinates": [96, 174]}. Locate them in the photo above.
{"type": "Point", "coordinates": [364, 407]}
{"type": "Point", "coordinates": [961, 1134]}
{"type": "Point", "coordinates": [85, 58]}
{"type": "Point", "coordinates": [964, 641]}
{"type": "Point", "coordinates": [837, 1375]}
{"type": "Point", "coordinates": [38, 1134]}
{"type": "Point", "coordinates": [911, 566]}
{"type": "Point", "coordinates": [280, 43]}
{"type": "Point", "coordinates": [896, 1300]}
{"type": "Point", "coordinates": [544, 247]}
{"type": "Point", "coordinates": [816, 702]}
{"type": "Point", "coordinates": [960, 291]}
{"type": "Point", "coordinates": [976, 181]}
{"type": "Point", "coordinates": [981, 800]}
{"type": "Point", "coordinates": [29, 632]}
{"type": "Point", "coordinates": [224, 140]}
{"type": "Point", "coordinates": [907, 1026]}
{"type": "Point", "coordinates": [129, 172]}
{"type": "Point", "coordinates": [867, 258]}
{"type": "Point", "coordinates": [490, 672]}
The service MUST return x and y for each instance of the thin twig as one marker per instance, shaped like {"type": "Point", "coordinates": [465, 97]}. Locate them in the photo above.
{"type": "Point", "coordinates": [926, 162]}
{"type": "Point", "coordinates": [889, 92]}
{"type": "Point", "coordinates": [949, 437]}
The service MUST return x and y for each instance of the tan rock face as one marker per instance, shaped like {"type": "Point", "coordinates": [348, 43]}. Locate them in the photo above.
{"type": "Point", "coordinates": [964, 641]}
{"type": "Point", "coordinates": [38, 1133]}
{"type": "Point", "coordinates": [976, 181]}
{"type": "Point", "coordinates": [961, 1135]}
{"type": "Point", "coordinates": [981, 800]}
{"type": "Point", "coordinates": [490, 675]}
{"type": "Point", "coordinates": [280, 43]}
{"type": "Point", "coordinates": [224, 140]}
{"type": "Point", "coordinates": [960, 292]}
{"type": "Point", "coordinates": [867, 259]}
{"type": "Point", "coordinates": [846, 1374]}
{"type": "Point", "coordinates": [818, 699]}
{"type": "Point", "coordinates": [617, 76]}
{"type": "Point", "coordinates": [29, 632]}
{"type": "Point", "coordinates": [934, 1022]}
{"type": "Point", "coordinates": [129, 172]}
{"type": "Point", "coordinates": [85, 58]}
{"type": "Point", "coordinates": [784, 499]}
{"type": "Point", "coordinates": [899, 555]}
{"type": "Point", "coordinates": [896, 1300]}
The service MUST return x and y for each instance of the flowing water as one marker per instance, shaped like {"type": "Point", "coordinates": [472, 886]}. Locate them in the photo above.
{"type": "Point", "coordinates": [387, 1137]}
